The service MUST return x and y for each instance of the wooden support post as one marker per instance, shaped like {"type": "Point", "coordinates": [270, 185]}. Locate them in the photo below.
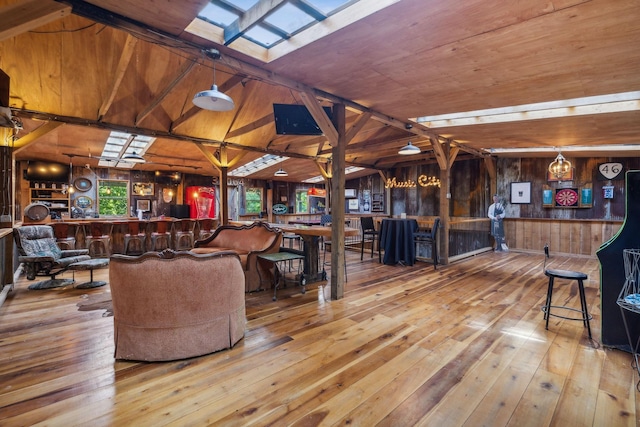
{"type": "Point", "coordinates": [338, 204]}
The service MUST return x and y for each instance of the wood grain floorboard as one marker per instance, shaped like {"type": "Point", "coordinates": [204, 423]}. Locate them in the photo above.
{"type": "Point", "coordinates": [463, 345]}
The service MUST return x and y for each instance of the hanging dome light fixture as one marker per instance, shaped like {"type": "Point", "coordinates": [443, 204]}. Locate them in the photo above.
{"type": "Point", "coordinates": [281, 172]}
{"type": "Point", "coordinates": [409, 149]}
{"type": "Point", "coordinates": [213, 99]}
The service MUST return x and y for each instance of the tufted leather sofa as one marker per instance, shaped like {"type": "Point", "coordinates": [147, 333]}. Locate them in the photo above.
{"type": "Point", "coordinates": [248, 241]}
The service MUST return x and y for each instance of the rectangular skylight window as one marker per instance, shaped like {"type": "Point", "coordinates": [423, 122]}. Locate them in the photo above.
{"type": "Point", "coordinates": [347, 171]}
{"type": "Point", "coordinates": [329, 6]}
{"type": "Point", "coordinates": [120, 143]}
{"type": "Point", "coordinates": [289, 18]}
{"type": "Point", "coordinates": [257, 165]}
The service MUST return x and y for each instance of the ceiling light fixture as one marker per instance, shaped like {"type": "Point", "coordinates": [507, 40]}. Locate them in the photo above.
{"type": "Point", "coordinates": [213, 99]}
{"type": "Point", "coordinates": [560, 167]}
{"type": "Point", "coordinates": [409, 149]}
{"type": "Point", "coordinates": [133, 158]}
{"type": "Point", "coordinates": [281, 172]}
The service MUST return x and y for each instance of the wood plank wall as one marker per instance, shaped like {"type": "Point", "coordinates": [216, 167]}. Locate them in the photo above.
{"type": "Point", "coordinates": [577, 237]}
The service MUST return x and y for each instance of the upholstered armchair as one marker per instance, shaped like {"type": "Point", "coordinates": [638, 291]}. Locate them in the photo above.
{"type": "Point", "coordinates": [173, 305]}
{"type": "Point", "coordinates": [41, 256]}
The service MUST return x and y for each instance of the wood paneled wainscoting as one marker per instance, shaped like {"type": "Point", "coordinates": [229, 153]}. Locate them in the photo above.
{"type": "Point", "coordinates": [568, 236]}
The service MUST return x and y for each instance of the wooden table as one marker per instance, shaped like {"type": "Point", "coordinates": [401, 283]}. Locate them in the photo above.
{"type": "Point", "coordinates": [282, 258]}
{"type": "Point", "coordinates": [310, 237]}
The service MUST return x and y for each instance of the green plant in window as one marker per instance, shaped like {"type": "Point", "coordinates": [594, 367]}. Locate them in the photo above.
{"type": "Point", "coordinates": [113, 198]}
{"type": "Point", "coordinates": [302, 202]}
{"type": "Point", "coordinates": [253, 200]}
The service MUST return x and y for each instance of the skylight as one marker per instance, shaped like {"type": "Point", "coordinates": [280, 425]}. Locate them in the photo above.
{"type": "Point", "coordinates": [320, 178]}
{"type": "Point", "coordinates": [243, 24]}
{"type": "Point", "coordinates": [257, 165]}
{"type": "Point", "coordinates": [120, 144]}
{"type": "Point", "coordinates": [617, 102]}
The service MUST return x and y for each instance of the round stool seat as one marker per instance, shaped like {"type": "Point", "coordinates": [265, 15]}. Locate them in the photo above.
{"type": "Point", "coordinates": [566, 274]}
{"type": "Point", "coordinates": [579, 277]}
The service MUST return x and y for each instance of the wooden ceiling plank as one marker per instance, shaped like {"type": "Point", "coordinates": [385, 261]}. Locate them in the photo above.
{"type": "Point", "coordinates": [319, 115]}
{"type": "Point", "coordinates": [123, 64]}
{"type": "Point", "coordinates": [184, 71]}
{"type": "Point", "coordinates": [263, 121]}
{"type": "Point", "coordinates": [251, 17]}
{"type": "Point", "coordinates": [237, 159]}
{"type": "Point", "coordinates": [23, 16]}
{"type": "Point", "coordinates": [33, 136]}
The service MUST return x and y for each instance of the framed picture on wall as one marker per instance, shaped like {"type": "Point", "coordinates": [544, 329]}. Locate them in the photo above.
{"type": "Point", "coordinates": [143, 205]}
{"type": "Point", "coordinates": [521, 192]}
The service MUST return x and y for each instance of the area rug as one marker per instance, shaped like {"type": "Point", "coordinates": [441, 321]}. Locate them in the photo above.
{"type": "Point", "coordinates": [97, 302]}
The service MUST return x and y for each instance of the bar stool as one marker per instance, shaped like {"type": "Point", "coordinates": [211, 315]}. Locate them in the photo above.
{"type": "Point", "coordinates": [161, 235]}
{"type": "Point", "coordinates": [65, 234]}
{"type": "Point", "coordinates": [98, 239]}
{"type": "Point", "coordinates": [206, 227]}
{"type": "Point", "coordinates": [568, 275]}
{"type": "Point", "coordinates": [135, 240]}
{"type": "Point", "coordinates": [184, 234]}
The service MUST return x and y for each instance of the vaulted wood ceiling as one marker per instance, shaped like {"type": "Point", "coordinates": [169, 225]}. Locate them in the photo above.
{"type": "Point", "coordinates": [130, 65]}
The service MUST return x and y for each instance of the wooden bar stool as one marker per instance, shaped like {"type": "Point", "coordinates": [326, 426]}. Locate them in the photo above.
{"type": "Point", "coordinates": [98, 239]}
{"type": "Point", "coordinates": [206, 227]}
{"type": "Point", "coordinates": [135, 240]}
{"type": "Point", "coordinates": [568, 275]}
{"type": "Point", "coordinates": [184, 234]}
{"type": "Point", "coordinates": [161, 235]}
{"type": "Point", "coordinates": [65, 234]}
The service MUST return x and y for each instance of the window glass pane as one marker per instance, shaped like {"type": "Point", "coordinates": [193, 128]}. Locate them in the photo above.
{"type": "Point", "coordinates": [327, 6]}
{"type": "Point", "coordinates": [262, 36]}
{"type": "Point", "coordinates": [289, 18]}
{"type": "Point", "coordinates": [302, 201]}
{"type": "Point", "coordinates": [217, 15]}
{"type": "Point", "coordinates": [113, 197]}
{"type": "Point", "coordinates": [253, 200]}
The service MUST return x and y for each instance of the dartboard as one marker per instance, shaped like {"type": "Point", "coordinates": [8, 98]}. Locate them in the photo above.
{"type": "Point", "coordinates": [566, 197]}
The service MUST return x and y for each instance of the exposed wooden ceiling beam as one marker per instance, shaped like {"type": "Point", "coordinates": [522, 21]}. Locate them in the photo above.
{"type": "Point", "coordinates": [184, 71]}
{"type": "Point", "coordinates": [263, 121]}
{"type": "Point", "coordinates": [320, 116]}
{"type": "Point", "coordinates": [34, 135]}
{"type": "Point", "coordinates": [123, 64]}
{"type": "Point", "coordinates": [23, 16]}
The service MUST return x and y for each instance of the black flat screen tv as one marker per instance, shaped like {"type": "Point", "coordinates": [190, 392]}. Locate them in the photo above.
{"type": "Point", "coordinates": [46, 171]}
{"type": "Point", "coordinates": [294, 119]}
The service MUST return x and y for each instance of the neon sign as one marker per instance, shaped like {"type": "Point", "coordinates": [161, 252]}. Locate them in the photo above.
{"type": "Point", "coordinates": [423, 181]}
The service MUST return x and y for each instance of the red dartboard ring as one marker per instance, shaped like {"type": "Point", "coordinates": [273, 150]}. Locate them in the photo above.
{"type": "Point", "coordinates": [566, 197]}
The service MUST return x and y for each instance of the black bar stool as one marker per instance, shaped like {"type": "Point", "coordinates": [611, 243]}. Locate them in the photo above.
{"type": "Point", "coordinates": [568, 275]}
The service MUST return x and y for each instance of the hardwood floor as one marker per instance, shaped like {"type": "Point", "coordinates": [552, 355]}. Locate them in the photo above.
{"type": "Point", "coordinates": [461, 346]}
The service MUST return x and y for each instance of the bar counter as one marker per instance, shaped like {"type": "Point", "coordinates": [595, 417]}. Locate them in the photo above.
{"type": "Point", "coordinates": [117, 228]}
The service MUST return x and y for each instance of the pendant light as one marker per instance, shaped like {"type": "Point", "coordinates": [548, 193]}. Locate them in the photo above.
{"type": "Point", "coordinates": [409, 149]}
{"type": "Point", "coordinates": [281, 172]}
{"type": "Point", "coordinates": [213, 99]}
{"type": "Point", "coordinates": [133, 158]}
{"type": "Point", "coordinates": [559, 167]}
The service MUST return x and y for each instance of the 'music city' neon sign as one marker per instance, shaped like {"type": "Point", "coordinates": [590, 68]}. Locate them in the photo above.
{"type": "Point", "coordinates": [423, 181]}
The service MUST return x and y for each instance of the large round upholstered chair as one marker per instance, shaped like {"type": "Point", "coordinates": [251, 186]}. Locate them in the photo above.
{"type": "Point", "coordinates": [173, 305]}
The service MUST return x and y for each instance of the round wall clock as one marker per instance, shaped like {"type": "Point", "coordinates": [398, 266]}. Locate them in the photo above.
{"type": "Point", "coordinates": [82, 184]}
{"type": "Point", "coordinates": [566, 197]}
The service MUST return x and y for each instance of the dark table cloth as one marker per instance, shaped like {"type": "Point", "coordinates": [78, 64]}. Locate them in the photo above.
{"type": "Point", "coordinates": [396, 239]}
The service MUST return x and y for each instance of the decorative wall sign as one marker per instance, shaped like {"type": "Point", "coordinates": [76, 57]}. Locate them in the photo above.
{"type": "Point", "coordinates": [279, 209]}
{"type": "Point", "coordinates": [607, 191]}
{"type": "Point", "coordinates": [520, 192]}
{"type": "Point", "coordinates": [610, 171]}
{"type": "Point", "coordinates": [82, 184]}
{"type": "Point", "coordinates": [142, 189]}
